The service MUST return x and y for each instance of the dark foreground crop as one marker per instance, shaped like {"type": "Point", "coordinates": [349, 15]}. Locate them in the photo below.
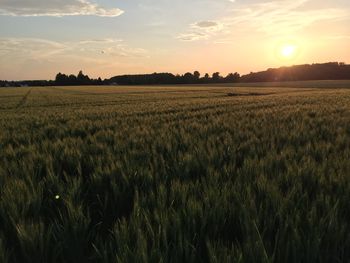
{"type": "Point", "coordinates": [174, 174]}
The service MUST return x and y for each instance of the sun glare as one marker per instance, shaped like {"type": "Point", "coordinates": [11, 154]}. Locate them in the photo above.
{"type": "Point", "coordinates": [288, 51]}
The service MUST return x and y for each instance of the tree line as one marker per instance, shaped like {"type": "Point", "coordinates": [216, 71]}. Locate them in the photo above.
{"type": "Point", "coordinates": [325, 71]}
{"type": "Point", "coordinates": [168, 78]}
{"type": "Point", "coordinates": [79, 80]}
{"type": "Point", "coordinates": [139, 79]}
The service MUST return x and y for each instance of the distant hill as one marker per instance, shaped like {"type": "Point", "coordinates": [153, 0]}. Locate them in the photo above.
{"type": "Point", "coordinates": [325, 71]}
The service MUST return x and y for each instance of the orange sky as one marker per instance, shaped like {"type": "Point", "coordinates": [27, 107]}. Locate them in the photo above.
{"type": "Point", "coordinates": [107, 38]}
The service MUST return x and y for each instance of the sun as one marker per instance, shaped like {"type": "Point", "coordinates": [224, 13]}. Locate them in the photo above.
{"type": "Point", "coordinates": [288, 51]}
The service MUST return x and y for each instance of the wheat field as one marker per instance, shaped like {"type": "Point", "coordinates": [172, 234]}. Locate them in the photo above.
{"type": "Point", "coordinates": [175, 174]}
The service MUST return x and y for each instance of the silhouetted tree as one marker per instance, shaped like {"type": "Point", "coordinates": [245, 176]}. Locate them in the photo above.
{"type": "Point", "coordinates": [83, 79]}
{"type": "Point", "coordinates": [196, 75]}
{"type": "Point", "coordinates": [80, 79]}
{"type": "Point", "coordinates": [232, 77]}
{"type": "Point", "coordinates": [216, 77]}
{"type": "Point", "coordinates": [188, 78]}
{"type": "Point", "coordinates": [61, 79]}
{"type": "Point", "coordinates": [72, 80]}
{"type": "Point", "coordinates": [99, 81]}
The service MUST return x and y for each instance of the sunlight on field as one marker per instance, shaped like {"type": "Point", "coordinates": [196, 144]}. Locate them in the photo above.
{"type": "Point", "coordinates": [125, 174]}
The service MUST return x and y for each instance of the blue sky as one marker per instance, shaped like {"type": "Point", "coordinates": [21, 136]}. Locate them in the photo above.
{"type": "Point", "coordinates": [39, 38]}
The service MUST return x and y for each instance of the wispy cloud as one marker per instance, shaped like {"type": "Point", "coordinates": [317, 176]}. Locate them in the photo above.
{"type": "Point", "coordinates": [55, 8]}
{"type": "Point", "coordinates": [207, 26]}
{"type": "Point", "coordinates": [273, 18]}
{"type": "Point", "coordinates": [21, 49]}
{"type": "Point", "coordinates": [201, 30]}
{"type": "Point", "coordinates": [276, 17]}
{"type": "Point", "coordinates": [30, 58]}
{"type": "Point", "coordinates": [107, 47]}
{"type": "Point", "coordinates": [192, 36]}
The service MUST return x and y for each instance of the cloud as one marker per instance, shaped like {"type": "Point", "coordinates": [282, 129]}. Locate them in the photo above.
{"type": "Point", "coordinates": [192, 36]}
{"type": "Point", "coordinates": [201, 30]}
{"type": "Point", "coordinates": [56, 8]}
{"type": "Point", "coordinates": [276, 17]}
{"type": "Point", "coordinates": [32, 58]}
{"type": "Point", "coordinates": [21, 49]}
{"type": "Point", "coordinates": [272, 17]}
{"type": "Point", "coordinates": [109, 47]}
{"type": "Point", "coordinates": [206, 24]}
{"type": "Point", "coordinates": [14, 48]}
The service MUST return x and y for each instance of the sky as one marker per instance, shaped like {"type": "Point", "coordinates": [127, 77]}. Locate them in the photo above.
{"type": "Point", "coordinates": [39, 38]}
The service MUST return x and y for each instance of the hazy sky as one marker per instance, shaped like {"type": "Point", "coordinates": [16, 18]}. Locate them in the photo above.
{"type": "Point", "coordinates": [39, 38]}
